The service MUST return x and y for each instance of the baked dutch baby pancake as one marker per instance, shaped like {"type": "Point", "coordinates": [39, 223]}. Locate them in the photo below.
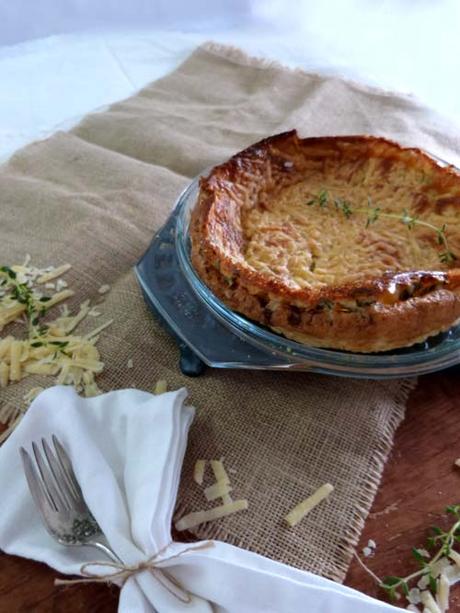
{"type": "Point", "coordinates": [346, 242]}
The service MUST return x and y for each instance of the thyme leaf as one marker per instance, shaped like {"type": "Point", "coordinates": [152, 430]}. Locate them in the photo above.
{"type": "Point", "coordinates": [9, 271]}
{"type": "Point", "coordinates": [344, 206]}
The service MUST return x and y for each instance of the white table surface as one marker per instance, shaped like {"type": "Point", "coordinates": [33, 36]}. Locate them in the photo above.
{"type": "Point", "coordinates": [414, 47]}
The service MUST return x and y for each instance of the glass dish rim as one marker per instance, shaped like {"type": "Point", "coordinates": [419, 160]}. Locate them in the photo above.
{"type": "Point", "coordinates": [270, 340]}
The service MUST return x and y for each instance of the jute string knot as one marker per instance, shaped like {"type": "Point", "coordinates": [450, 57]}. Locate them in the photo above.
{"type": "Point", "coordinates": [122, 572]}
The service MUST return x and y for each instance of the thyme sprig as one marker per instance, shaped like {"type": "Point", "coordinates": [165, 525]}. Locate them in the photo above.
{"type": "Point", "coordinates": [373, 213]}
{"type": "Point", "coordinates": [35, 307]}
{"type": "Point", "coordinates": [443, 541]}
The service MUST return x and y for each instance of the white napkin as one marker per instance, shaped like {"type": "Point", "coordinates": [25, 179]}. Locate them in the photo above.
{"type": "Point", "coordinates": [127, 449]}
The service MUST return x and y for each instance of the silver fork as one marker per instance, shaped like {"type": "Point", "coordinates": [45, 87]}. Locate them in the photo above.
{"type": "Point", "coordinates": [59, 499]}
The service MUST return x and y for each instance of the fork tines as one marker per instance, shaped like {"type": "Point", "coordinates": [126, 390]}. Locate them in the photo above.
{"type": "Point", "coordinates": [51, 478]}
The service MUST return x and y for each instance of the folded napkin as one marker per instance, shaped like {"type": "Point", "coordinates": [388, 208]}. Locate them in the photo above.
{"type": "Point", "coordinates": [127, 449]}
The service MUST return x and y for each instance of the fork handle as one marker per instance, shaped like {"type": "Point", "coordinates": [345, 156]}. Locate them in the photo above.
{"type": "Point", "coordinates": [104, 546]}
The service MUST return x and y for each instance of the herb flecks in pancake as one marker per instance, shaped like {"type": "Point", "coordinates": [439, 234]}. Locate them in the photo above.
{"type": "Point", "coordinates": [373, 213]}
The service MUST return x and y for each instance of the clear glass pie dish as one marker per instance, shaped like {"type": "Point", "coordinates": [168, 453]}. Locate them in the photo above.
{"type": "Point", "coordinates": [437, 353]}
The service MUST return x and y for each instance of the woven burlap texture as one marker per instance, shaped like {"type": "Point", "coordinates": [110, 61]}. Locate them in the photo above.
{"type": "Point", "coordinates": [95, 196]}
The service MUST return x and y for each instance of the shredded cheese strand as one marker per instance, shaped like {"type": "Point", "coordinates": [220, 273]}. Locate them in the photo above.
{"type": "Point", "coordinates": [219, 471]}
{"type": "Point", "coordinates": [200, 517]}
{"type": "Point", "coordinates": [217, 490]}
{"type": "Point", "coordinates": [52, 274]}
{"type": "Point", "coordinates": [304, 507]}
{"type": "Point", "coordinates": [198, 471]}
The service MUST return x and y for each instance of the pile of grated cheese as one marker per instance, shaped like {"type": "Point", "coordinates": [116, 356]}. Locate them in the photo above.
{"type": "Point", "coordinates": [43, 346]}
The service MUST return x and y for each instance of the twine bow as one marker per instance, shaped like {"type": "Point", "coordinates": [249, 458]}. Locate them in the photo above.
{"type": "Point", "coordinates": [124, 571]}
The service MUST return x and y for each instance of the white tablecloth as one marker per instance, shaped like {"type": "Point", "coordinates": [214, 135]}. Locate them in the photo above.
{"type": "Point", "coordinates": [50, 83]}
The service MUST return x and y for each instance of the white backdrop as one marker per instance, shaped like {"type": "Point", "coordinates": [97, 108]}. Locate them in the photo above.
{"type": "Point", "coordinates": [62, 58]}
{"type": "Point", "coordinates": [25, 19]}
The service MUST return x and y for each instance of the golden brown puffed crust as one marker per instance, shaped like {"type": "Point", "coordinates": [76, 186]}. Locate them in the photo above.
{"type": "Point", "coordinates": [359, 311]}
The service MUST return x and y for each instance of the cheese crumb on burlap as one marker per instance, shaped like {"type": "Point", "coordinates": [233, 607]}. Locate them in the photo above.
{"type": "Point", "coordinates": [161, 387]}
{"type": "Point", "coordinates": [200, 517]}
{"type": "Point", "coordinates": [198, 471]}
{"type": "Point", "coordinates": [304, 507]}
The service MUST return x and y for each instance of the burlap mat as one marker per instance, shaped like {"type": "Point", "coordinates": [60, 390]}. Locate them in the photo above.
{"type": "Point", "coordinates": [94, 197]}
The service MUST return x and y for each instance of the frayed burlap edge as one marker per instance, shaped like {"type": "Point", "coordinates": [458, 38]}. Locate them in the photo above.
{"type": "Point", "coordinates": [368, 491]}
{"type": "Point", "coordinates": [239, 56]}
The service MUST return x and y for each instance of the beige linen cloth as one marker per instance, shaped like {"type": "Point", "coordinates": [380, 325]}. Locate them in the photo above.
{"type": "Point", "coordinates": [94, 196]}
